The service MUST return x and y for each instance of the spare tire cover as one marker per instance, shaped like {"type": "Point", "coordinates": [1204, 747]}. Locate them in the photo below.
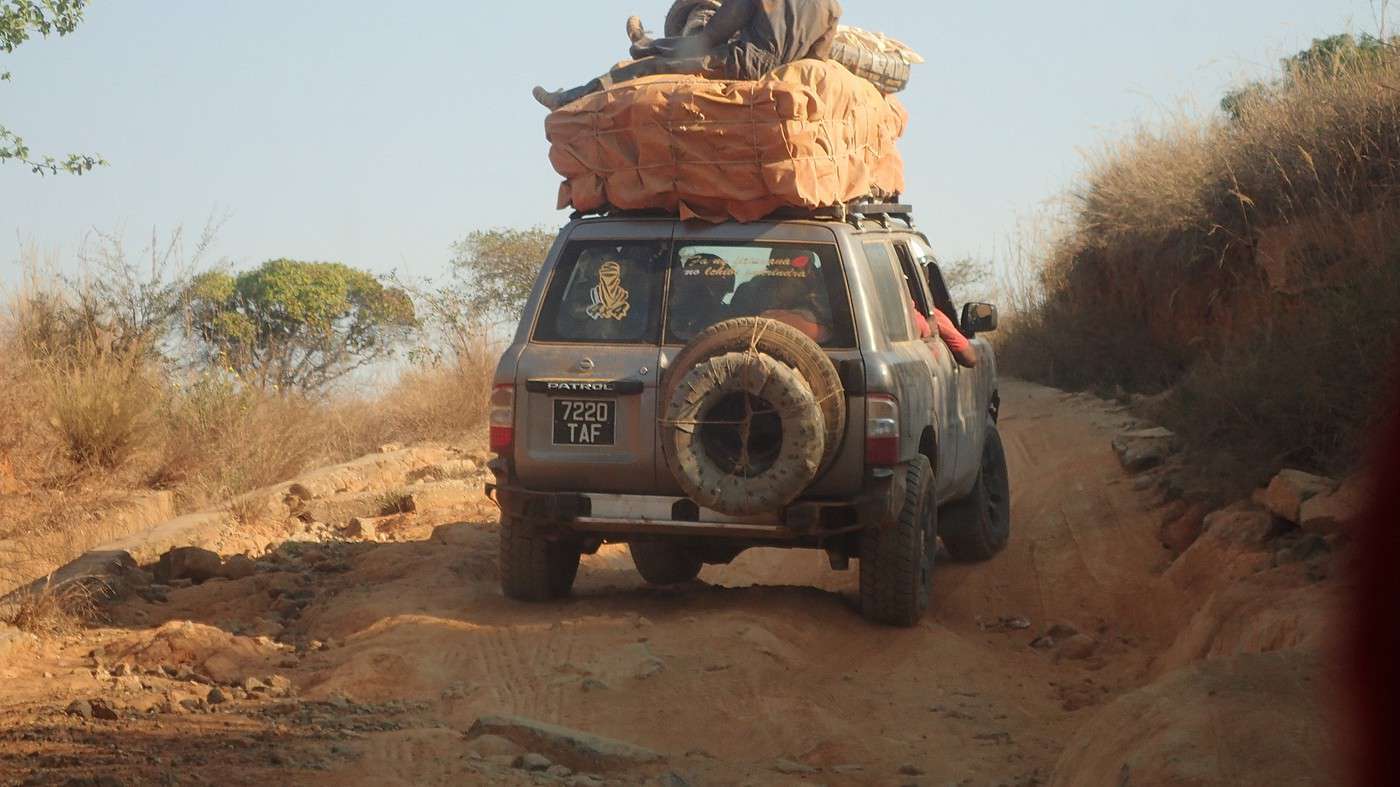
{"type": "Point", "coordinates": [788, 345]}
{"type": "Point", "coordinates": [738, 482]}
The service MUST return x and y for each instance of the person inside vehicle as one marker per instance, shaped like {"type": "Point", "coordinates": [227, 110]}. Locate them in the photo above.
{"type": "Point", "coordinates": [790, 291]}
{"type": "Point", "coordinates": [963, 351]}
{"type": "Point", "coordinates": [698, 293]}
{"type": "Point", "coordinates": [745, 40]}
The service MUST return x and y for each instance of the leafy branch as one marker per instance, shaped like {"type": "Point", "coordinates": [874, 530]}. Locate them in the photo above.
{"type": "Point", "coordinates": [19, 21]}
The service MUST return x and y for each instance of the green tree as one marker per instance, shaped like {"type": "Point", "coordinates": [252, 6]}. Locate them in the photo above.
{"type": "Point", "coordinates": [1327, 58]}
{"type": "Point", "coordinates": [493, 270]}
{"type": "Point", "coordinates": [296, 326]}
{"type": "Point", "coordinates": [19, 20]}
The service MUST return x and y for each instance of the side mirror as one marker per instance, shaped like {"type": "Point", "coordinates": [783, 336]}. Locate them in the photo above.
{"type": "Point", "coordinates": [979, 318]}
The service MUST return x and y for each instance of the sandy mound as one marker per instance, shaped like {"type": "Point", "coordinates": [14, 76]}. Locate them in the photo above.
{"type": "Point", "coordinates": [208, 651]}
{"type": "Point", "coordinates": [1247, 720]}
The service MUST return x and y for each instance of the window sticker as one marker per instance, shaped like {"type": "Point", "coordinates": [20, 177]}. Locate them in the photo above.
{"type": "Point", "coordinates": [609, 298]}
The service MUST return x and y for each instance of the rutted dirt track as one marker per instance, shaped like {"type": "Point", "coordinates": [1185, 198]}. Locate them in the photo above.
{"type": "Point", "coordinates": [762, 673]}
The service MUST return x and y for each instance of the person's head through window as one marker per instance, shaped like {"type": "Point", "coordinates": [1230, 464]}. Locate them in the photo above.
{"type": "Point", "coordinates": [698, 292]}
{"type": "Point", "coordinates": [795, 293]}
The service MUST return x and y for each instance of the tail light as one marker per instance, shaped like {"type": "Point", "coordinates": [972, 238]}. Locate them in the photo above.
{"type": "Point", "coordinates": [502, 419]}
{"type": "Point", "coordinates": [881, 430]}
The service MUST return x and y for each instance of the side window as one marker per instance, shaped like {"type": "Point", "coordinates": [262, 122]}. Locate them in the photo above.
{"type": "Point", "coordinates": [923, 257]}
{"type": "Point", "coordinates": [890, 291]}
{"type": "Point", "coordinates": [913, 279]}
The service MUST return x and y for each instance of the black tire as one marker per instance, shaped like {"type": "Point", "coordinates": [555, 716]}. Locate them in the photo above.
{"type": "Point", "coordinates": [687, 17]}
{"type": "Point", "coordinates": [665, 563]}
{"type": "Point", "coordinates": [896, 561]}
{"type": "Point", "coordinates": [977, 527]}
{"type": "Point", "coordinates": [783, 342]}
{"type": "Point", "coordinates": [887, 72]}
{"type": "Point", "coordinates": [534, 568]}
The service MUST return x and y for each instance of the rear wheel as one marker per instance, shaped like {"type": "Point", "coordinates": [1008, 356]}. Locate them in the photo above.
{"type": "Point", "coordinates": [977, 527]}
{"type": "Point", "coordinates": [534, 568]}
{"type": "Point", "coordinates": [665, 563]}
{"type": "Point", "coordinates": [896, 561]}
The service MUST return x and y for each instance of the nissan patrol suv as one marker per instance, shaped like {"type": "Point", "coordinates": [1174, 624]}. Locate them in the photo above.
{"type": "Point", "coordinates": [694, 390]}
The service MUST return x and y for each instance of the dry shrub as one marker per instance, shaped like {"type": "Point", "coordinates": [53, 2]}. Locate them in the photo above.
{"type": "Point", "coordinates": [53, 610]}
{"type": "Point", "coordinates": [1159, 282]}
{"type": "Point", "coordinates": [100, 405]}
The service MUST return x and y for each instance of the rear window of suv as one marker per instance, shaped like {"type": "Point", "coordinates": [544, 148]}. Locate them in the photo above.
{"type": "Point", "coordinates": [610, 292]}
{"type": "Point", "coordinates": [605, 292]}
{"type": "Point", "coordinates": [800, 285]}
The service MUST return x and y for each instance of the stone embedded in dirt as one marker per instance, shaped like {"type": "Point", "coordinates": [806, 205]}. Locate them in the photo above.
{"type": "Point", "coordinates": [1286, 494]}
{"type": "Point", "coordinates": [102, 710]}
{"type": "Point", "coordinates": [441, 495]}
{"type": "Point", "coordinates": [586, 780]}
{"type": "Point", "coordinates": [1043, 642]}
{"type": "Point", "coordinates": [1077, 648]}
{"type": "Point", "coordinates": [216, 696]}
{"type": "Point", "coordinates": [129, 684]}
{"type": "Point", "coordinates": [279, 684]}
{"type": "Point", "coordinates": [1144, 449]}
{"type": "Point", "coordinates": [578, 750]}
{"type": "Point", "coordinates": [1178, 533]}
{"type": "Point", "coordinates": [80, 708]}
{"type": "Point", "coordinates": [494, 746]}
{"type": "Point", "coordinates": [533, 762]}
{"type": "Point", "coordinates": [910, 770]}
{"type": "Point", "coordinates": [191, 563]}
{"type": "Point", "coordinates": [1061, 631]}
{"type": "Point", "coordinates": [559, 771]}
{"type": "Point", "coordinates": [792, 768]}
{"type": "Point", "coordinates": [1331, 513]}
{"type": "Point", "coordinates": [239, 567]}
{"type": "Point", "coordinates": [1004, 624]}
{"type": "Point", "coordinates": [253, 685]}
{"type": "Point", "coordinates": [593, 684]}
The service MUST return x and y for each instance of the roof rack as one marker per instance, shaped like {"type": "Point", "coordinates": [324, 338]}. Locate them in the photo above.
{"type": "Point", "coordinates": [853, 212]}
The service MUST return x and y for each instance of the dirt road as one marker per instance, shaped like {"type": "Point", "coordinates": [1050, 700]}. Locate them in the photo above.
{"type": "Point", "coordinates": [761, 673]}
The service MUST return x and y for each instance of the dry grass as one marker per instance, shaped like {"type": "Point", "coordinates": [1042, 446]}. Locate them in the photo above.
{"type": "Point", "coordinates": [88, 423]}
{"type": "Point", "coordinates": [1246, 266]}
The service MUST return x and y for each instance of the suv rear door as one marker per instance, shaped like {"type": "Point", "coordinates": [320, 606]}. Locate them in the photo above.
{"type": "Point", "coordinates": [587, 380]}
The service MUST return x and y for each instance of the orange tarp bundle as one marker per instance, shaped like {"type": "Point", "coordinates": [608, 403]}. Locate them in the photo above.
{"type": "Point", "coordinates": [809, 135]}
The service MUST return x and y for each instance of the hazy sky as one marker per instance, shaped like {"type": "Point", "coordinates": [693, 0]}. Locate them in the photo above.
{"type": "Point", "coordinates": [377, 133]}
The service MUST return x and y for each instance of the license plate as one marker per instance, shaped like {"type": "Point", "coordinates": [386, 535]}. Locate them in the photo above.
{"type": "Point", "coordinates": [585, 421]}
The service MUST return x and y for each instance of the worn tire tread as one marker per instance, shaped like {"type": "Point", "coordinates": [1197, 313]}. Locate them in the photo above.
{"type": "Point", "coordinates": [890, 557]}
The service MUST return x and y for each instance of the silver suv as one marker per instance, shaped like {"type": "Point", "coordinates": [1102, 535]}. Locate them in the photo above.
{"type": "Point", "coordinates": [694, 390]}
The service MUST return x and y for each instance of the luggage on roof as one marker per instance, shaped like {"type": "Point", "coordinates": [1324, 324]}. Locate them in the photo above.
{"type": "Point", "coordinates": [810, 135]}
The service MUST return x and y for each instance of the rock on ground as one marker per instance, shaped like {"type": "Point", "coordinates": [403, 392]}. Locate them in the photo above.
{"type": "Point", "coordinates": [1244, 721]}
{"type": "Point", "coordinates": [1144, 449]}
{"type": "Point", "coordinates": [578, 750]}
{"type": "Point", "coordinates": [1326, 514]}
{"type": "Point", "coordinates": [191, 563]}
{"type": "Point", "coordinates": [1288, 491]}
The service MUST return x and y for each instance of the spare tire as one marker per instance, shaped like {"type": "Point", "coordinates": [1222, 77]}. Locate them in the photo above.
{"type": "Point", "coordinates": [788, 345]}
{"type": "Point", "coordinates": [887, 71]}
{"type": "Point", "coordinates": [744, 428]}
{"type": "Point", "coordinates": [688, 17]}
{"type": "Point", "coordinates": [742, 433]}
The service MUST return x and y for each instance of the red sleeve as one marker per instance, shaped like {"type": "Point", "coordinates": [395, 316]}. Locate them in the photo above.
{"type": "Point", "coordinates": [920, 322]}
{"type": "Point", "coordinates": [950, 333]}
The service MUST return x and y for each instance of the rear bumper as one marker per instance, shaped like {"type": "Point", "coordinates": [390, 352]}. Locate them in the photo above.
{"type": "Point", "coordinates": [618, 517]}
